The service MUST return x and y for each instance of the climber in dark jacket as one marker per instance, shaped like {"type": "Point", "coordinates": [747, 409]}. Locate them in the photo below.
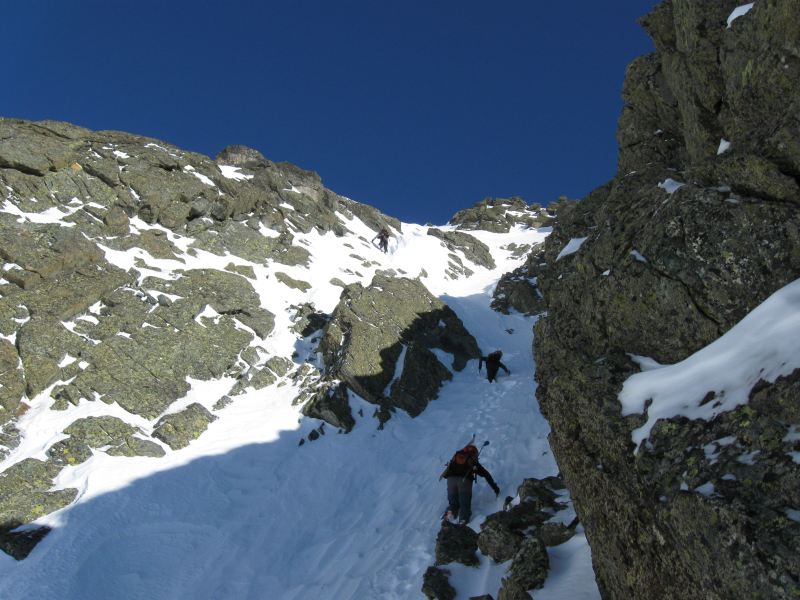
{"type": "Point", "coordinates": [461, 472]}
{"type": "Point", "coordinates": [383, 239]}
{"type": "Point", "coordinates": [492, 365]}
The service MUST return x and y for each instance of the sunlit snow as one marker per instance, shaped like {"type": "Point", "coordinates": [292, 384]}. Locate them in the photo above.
{"type": "Point", "coordinates": [572, 247]}
{"type": "Point", "coordinates": [244, 512]}
{"type": "Point", "coordinates": [739, 11]}
{"type": "Point", "coordinates": [231, 172]}
{"type": "Point", "coordinates": [670, 185]}
{"type": "Point", "coordinates": [764, 345]}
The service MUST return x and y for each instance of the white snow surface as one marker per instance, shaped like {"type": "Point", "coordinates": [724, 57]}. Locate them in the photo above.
{"type": "Point", "coordinates": [670, 186]}
{"type": "Point", "coordinates": [231, 172]}
{"type": "Point", "coordinates": [765, 344]}
{"type": "Point", "coordinates": [724, 146]}
{"type": "Point", "coordinates": [244, 513]}
{"type": "Point", "coordinates": [572, 247]}
{"type": "Point", "coordinates": [739, 11]}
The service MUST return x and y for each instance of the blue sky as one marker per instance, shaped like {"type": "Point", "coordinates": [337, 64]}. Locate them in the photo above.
{"type": "Point", "coordinates": [418, 108]}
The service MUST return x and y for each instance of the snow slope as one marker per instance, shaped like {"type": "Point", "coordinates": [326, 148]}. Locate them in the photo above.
{"type": "Point", "coordinates": [244, 513]}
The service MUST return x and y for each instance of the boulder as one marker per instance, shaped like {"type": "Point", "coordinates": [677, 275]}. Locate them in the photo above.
{"type": "Point", "coordinates": [307, 320]}
{"type": "Point", "coordinates": [531, 564]}
{"type": "Point", "coordinates": [456, 543]}
{"type": "Point", "coordinates": [24, 497]}
{"type": "Point", "coordinates": [554, 534]}
{"type": "Point", "coordinates": [179, 429]}
{"type": "Point", "coordinates": [436, 585]}
{"type": "Point", "coordinates": [517, 292]}
{"type": "Point", "coordinates": [113, 435]}
{"type": "Point", "coordinates": [472, 248]}
{"type": "Point", "coordinates": [279, 365]}
{"type": "Point", "coordinates": [288, 281]}
{"type": "Point", "coordinates": [499, 541]}
{"type": "Point", "coordinates": [511, 590]}
{"type": "Point", "coordinates": [382, 341]}
{"type": "Point", "coordinates": [331, 404]}
{"type": "Point", "coordinates": [19, 544]}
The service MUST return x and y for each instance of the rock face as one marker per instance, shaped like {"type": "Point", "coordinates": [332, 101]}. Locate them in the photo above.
{"type": "Point", "coordinates": [519, 290]}
{"type": "Point", "coordinates": [699, 226]}
{"type": "Point", "coordinates": [500, 215]}
{"type": "Point", "coordinates": [382, 341]}
{"type": "Point", "coordinates": [117, 437]}
{"type": "Point", "coordinates": [436, 586]}
{"type": "Point", "coordinates": [179, 429]}
{"type": "Point", "coordinates": [456, 543]}
{"type": "Point", "coordinates": [473, 249]}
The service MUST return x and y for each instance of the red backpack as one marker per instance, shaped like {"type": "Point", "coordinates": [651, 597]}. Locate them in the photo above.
{"type": "Point", "coordinates": [463, 461]}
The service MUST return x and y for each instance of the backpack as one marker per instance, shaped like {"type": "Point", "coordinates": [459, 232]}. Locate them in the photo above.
{"type": "Point", "coordinates": [463, 461]}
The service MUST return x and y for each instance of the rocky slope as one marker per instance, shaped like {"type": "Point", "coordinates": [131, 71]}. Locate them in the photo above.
{"type": "Point", "coordinates": [146, 291]}
{"type": "Point", "coordinates": [700, 225]}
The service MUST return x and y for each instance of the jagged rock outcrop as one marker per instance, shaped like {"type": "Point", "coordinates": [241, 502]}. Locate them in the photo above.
{"type": "Point", "coordinates": [456, 544]}
{"type": "Point", "coordinates": [25, 495]}
{"type": "Point", "coordinates": [114, 435]}
{"type": "Point", "coordinates": [500, 215]}
{"type": "Point", "coordinates": [382, 340]}
{"type": "Point", "coordinates": [473, 249]}
{"type": "Point", "coordinates": [179, 429]}
{"type": "Point", "coordinates": [699, 227]}
{"type": "Point", "coordinates": [436, 585]}
{"type": "Point", "coordinates": [518, 290]}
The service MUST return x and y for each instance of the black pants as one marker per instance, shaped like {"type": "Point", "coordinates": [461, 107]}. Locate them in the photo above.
{"type": "Point", "coordinates": [459, 497]}
{"type": "Point", "coordinates": [491, 371]}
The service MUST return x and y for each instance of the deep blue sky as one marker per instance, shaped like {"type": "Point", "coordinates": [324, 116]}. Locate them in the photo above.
{"type": "Point", "coordinates": [417, 107]}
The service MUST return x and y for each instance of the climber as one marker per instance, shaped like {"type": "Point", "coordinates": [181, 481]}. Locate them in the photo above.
{"type": "Point", "coordinates": [492, 365]}
{"type": "Point", "coordinates": [383, 239]}
{"type": "Point", "coordinates": [461, 472]}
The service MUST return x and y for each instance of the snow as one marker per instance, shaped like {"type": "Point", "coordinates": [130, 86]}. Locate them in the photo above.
{"type": "Point", "coordinates": [724, 146]}
{"type": "Point", "coordinates": [191, 170]}
{"type": "Point", "coordinates": [120, 154]}
{"type": "Point", "coordinates": [670, 186]}
{"type": "Point", "coordinates": [739, 11]}
{"type": "Point", "coordinates": [244, 512]}
{"type": "Point", "coordinates": [748, 458]}
{"type": "Point", "coordinates": [764, 345]}
{"type": "Point", "coordinates": [707, 489]}
{"type": "Point", "coordinates": [66, 361]}
{"type": "Point", "coordinates": [569, 572]}
{"type": "Point", "coordinates": [230, 172]}
{"type": "Point", "coordinates": [572, 247]}
{"type": "Point", "coordinates": [52, 215]}
{"type": "Point", "coordinates": [638, 256]}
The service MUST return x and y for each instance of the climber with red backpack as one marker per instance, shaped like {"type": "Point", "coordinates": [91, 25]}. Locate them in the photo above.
{"type": "Point", "coordinates": [460, 473]}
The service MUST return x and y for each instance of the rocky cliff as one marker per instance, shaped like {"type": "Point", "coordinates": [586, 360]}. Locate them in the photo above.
{"type": "Point", "coordinates": [700, 225]}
